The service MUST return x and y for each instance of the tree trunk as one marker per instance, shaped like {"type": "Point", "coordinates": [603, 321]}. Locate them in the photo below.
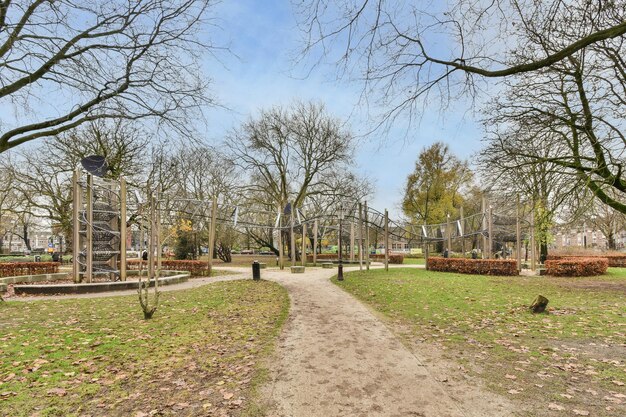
{"type": "Point", "coordinates": [25, 237]}
{"type": "Point", "coordinates": [539, 304]}
{"type": "Point", "coordinates": [543, 252]}
{"type": "Point", "coordinates": [611, 241]}
{"type": "Point", "coordinates": [224, 252]}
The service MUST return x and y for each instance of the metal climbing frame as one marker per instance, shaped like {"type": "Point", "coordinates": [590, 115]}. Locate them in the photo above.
{"type": "Point", "coordinates": [99, 217]}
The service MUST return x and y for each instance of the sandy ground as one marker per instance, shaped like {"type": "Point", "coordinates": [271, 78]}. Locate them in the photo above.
{"type": "Point", "coordinates": [337, 358]}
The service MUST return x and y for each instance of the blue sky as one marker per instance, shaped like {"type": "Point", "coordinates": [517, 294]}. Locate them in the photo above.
{"type": "Point", "coordinates": [264, 37]}
{"type": "Point", "coordinates": [260, 72]}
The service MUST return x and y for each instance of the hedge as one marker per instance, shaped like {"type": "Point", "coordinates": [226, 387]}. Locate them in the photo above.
{"type": "Point", "coordinates": [474, 266]}
{"type": "Point", "coordinates": [394, 258]}
{"type": "Point", "coordinates": [195, 268]}
{"type": "Point", "coordinates": [577, 267]}
{"type": "Point", "coordinates": [618, 261]}
{"type": "Point", "coordinates": [14, 269]}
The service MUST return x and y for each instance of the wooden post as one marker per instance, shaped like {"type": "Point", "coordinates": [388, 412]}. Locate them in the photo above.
{"type": "Point", "coordinates": [462, 231]}
{"type": "Point", "coordinates": [151, 235]}
{"type": "Point", "coordinates": [281, 263]}
{"type": "Point", "coordinates": [484, 225]}
{"type": "Point", "coordinates": [122, 229]}
{"type": "Point", "coordinates": [76, 224]}
{"type": "Point", "coordinates": [367, 240]}
{"type": "Point", "coordinates": [426, 253]}
{"type": "Point", "coordinates": [490, 223]}
{"type": "Point", "coordinates": [386, 240]}
{"type": "Point", "coordinates": [89, 249]}
{"type": "Point", "coordinates": [518, 239]}
{"type": "Point", "coordinates": [449, 233]}
{"type": "Point", "coordinates": [292, 236]}
{"type": "Point", "coordinates": [212, 232]}
{"type": "Point", "coordinates": [533, 260]}
{"type": "Point", "coordinates": [360, 237]}
{"type": "Point", "coordinates": [351, 241]}
{"type": "Point", "coordinates": [315, 243]}
{"type": "Point", "coordinates": [157, 237]}
{"type": "Point", "coordinates": [303, 253]}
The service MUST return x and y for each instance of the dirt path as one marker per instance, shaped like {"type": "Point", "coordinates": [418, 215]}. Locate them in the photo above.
{"type": "Point", "coordinates": [336, 358]}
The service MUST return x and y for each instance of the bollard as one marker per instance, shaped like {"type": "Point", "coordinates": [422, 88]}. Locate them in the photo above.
{"type": "Point", "coordinates": [340, 272]}
{"type": "Point", "coordinates": [256, 270]}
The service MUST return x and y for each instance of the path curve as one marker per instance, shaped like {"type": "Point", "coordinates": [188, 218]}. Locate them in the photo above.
{"type": "Point", "coordinates": [336, 358]}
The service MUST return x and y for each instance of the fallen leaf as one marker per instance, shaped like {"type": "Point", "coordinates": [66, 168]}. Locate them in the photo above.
{"type": "Point", "coordinates": [507, 376]}
{"type": "Point", "coordinates": [228, 395]}
{"type": "Point", "coordinates": [555, 407]}
{"type": "Point", "coordinates": [618, 383]}
{"type": "Point", "coordinates": [580, 412]}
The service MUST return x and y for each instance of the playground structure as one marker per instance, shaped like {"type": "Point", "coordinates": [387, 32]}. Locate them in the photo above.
{"type": "Point", "coordinates": [490, 235]}
{"type": "Point", "coordinates": [100, 229]}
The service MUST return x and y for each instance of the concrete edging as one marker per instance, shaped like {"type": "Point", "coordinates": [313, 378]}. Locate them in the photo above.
{"type": "Point", "coordinates": [34, 278]}
{"type": "Point", "coordinates": [96, 287]}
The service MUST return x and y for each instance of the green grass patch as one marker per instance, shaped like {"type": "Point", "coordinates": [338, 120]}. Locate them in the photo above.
{"type": "Point", "coordinates": [579, 345]}
{"type": "Point", "coordinates": [414, 261]}
{"type": "Point", "coordinates": [199, 354]}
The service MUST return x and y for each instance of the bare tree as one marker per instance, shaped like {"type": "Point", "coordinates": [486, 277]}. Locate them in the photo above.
{"type": "Point", "coordinates": [570, 118]}
{"type": "Point", "coordinates": [42, 175]}
{"type": "Point", "coordinates": [203, 173]}
{"type": "Point", "coordinates": [603, 218]}
{"type": "Point", "coordinates": [80, 62]}
{"type": "Point", "coordinates": [291, 156]}
{"type": "Point", "coordinates": [549, 192]}
{"type": "Point", "coordinates": [404, 52]}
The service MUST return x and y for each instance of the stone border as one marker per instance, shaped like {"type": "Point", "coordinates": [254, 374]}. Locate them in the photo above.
{"type": "Point", "coordinates": [176, 277]}
{"type": "Point", "coordinates": [34, 278]}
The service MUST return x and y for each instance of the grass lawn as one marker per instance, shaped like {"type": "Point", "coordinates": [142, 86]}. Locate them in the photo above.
{"type": "Point", "coordinates": [414, 261]}
{"type": "Point", "coordinates": [199, 355]}
{"type": "Point", "coordinates": [572, 358]}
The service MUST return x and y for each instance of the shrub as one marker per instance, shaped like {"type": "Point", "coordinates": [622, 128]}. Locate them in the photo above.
{"type": "Point", "coordinates": [615, 260]}
{"type": "Point", "coordinates": [474, 266]}
{"type": "Point", "coordinates": [577, 267]}
{"type": "Point", "coordinates": [195, 268]}
{"type": "Point", "coordinates": [14, 269]}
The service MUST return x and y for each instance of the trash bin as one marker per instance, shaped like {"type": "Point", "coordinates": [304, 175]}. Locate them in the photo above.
{"type": "Point", "coordinates": [256, 270]}
{"type": "Point", "coordinates": [37, 258]}
{"type": "Point", "coordinates": [55, 257]}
